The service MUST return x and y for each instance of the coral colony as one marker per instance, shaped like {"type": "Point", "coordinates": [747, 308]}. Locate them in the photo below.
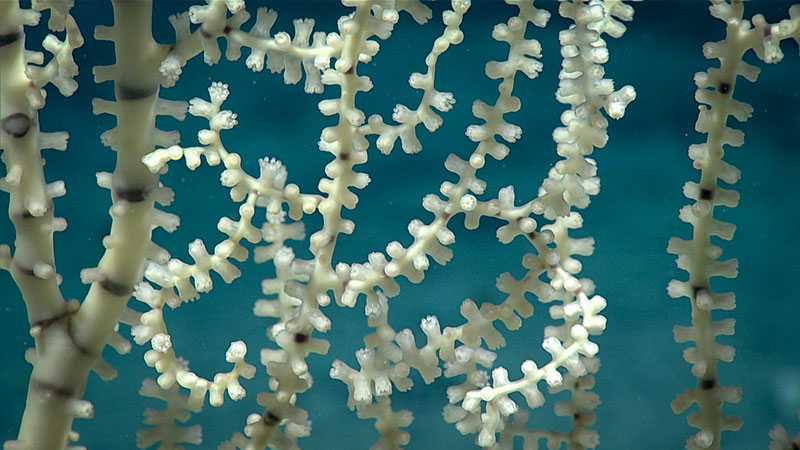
{"type": "Point", "coordinates": [137, 283]}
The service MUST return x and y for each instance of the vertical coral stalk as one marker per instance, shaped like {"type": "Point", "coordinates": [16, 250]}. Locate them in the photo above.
{"type": "Point", "coordinates": [699, 256]}
{"type": "Point", "coordinates": [69, 338]}
{"type": "Point", "coordinates": [136, 79]}
{"type": "Point", "coordinates": [47, 413]}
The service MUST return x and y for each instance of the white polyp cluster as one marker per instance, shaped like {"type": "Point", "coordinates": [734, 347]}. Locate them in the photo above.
{"type": "Point", "coordinates": [779, 438]}
{"type": "Point", "coordinates": [161, 342]}
{"type": "Point", "coordinates": [518, 222]}
{"type": "Point", "coordinates": [161, 357]}
{"type": "Point", "coordinates": [262, 429]}
{"type": "Point", "coordinates": [213, 18]}
{"type": "Point", "coordinates": [570, 183]}
{"type": "Point", "coordinates": [496, 406]}
{"type": "Point", "coordinates": [699, 257]}
{"type": "Point", "coordinates": [408, 118]}
{"type": "Point", "coordinates": [371, 380]}
{"type": "Point", "coordinates": [297, 346]}
{"type": "Point", "coordinates": [388, 422]}
{"type": "Point", "coordinates": [61, 69]}
{"type": "Point", "coordinates": [265, 19]}
{"type": "Point", "coordinates": [165, 424]}
{"type": "Point", "coordinates": [211, 147]}
{"type": "Point", "coordinates": [81, 409]}
{"type": "Point", "coordinates": [151, 323]}
{"type": "Point", "coordinates": [230, 381]}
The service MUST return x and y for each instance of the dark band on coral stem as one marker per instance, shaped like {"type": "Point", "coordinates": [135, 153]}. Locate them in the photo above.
{"type": "Point", "coordinates": [16, 125]}
{"type": "Point", "coordinates": [130, 195]}
{"type": "Point", "coordinates": [707, 384]}
{"type": "Point", "coordinates": [270, 419]}
{"type": "Point", "coordinates": [134, 93]}
{"type": "Point", "coordinates": [51, 389]}
{"type": "Point", "coordinates": [115, 288]}
{"type": "Point", "coordinates": [24, 270]}
{"type": "Point", "coordinates": [10, 38]}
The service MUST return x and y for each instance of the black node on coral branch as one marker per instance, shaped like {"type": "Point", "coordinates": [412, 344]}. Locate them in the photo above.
{"type": "Point", "coordinates": [270, 419]}
{"type": "Point", "coordinates": [133, 93]}
{"type": "Point", "coordinates": [708, 384]}
{"type": "Point", "coordinates": [118, 289]}
{"type": "Point", "coordinates": [52, 389]}
{"type": "Point", "coordinates": [17, 125]}
{"type": "Point", "coordinates": [130, 195]}
{"type": "Point", "coordinates": [9, 38]}
{"type": "Point", "coordinates": [25, 270]}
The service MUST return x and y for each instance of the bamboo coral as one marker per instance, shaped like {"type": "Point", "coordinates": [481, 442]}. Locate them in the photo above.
{"type": "Point", "coordinates": [304, 222]}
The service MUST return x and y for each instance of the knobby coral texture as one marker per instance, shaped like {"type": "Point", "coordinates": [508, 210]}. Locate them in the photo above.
{"type": "Point", "coordinates": [381, 223]}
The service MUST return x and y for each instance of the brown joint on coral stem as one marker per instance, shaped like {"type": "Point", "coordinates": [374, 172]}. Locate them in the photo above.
{"type": "Point", "coordinates": [46, 323]}
{"type": "Point", "coordinates": [706, 194]}
{"type": "Point", "coordinates": [115, 288]}
{"type": "Point", "coordinates": [344, 156]}
{"type": "Point", "coordinates": [696, 291]}
{"type": "Point", "coordinates": [205, 33]}
{"type": "Point", "coordinates": [74, 342]}
{"type": "Point", "coordinates": [300, 338]}
{"type": "Point", "coordinates": [270, 419]}
{"type": "Point", "coordinates": [24, 214]}
{"type": "Point", "coordinates": [10, 38]}
{"type": "Point", "coordinates": [724, 87]}
{"type": "Point", "coordinates": [24, 270]}
{"type": "Point", "coordinates": [227, 29]}
{"type": "Point", "coordinates": [65, 316]}
{"type": "Point", "coordinates": [51, 389]}
{"type": "Point", "coordinates": [124, 92]}
{"type": "Point", "coordinates": [131, 195]}
{"type": "Point", "coordinates": [707, 384]}
{"type": "Point", "coordinates": [16, 125]}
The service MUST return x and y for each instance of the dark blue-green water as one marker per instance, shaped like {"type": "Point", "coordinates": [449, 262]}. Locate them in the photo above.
{"type": "Point", "coordinates": [642, 169]}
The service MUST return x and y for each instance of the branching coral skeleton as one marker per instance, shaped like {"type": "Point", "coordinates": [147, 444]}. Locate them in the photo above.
{"type": "Point", "coordinates": [70, 335]}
